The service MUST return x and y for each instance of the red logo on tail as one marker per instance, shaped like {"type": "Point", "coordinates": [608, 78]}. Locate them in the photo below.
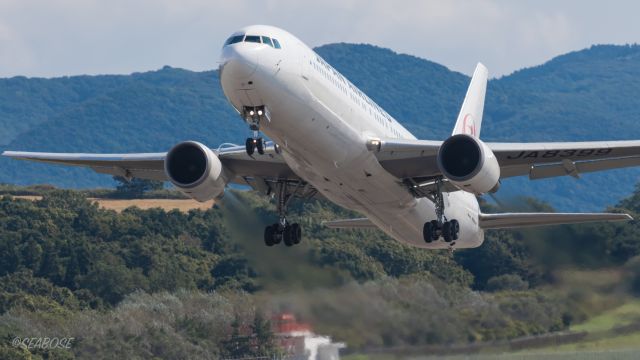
{"type": "Point", "coordinates": [469, 125]}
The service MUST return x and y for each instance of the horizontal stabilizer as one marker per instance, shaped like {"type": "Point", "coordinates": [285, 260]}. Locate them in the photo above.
{"type": "Point", "coordinates": [360, 223]}
{"type": "Point", "coordinates": [515, 220]}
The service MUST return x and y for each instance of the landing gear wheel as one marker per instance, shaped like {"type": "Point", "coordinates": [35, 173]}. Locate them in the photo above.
{"type": "Point", "coordinates": [269, 235]}
{"type": "Point", "coordinates": [434, 232]}
{"type": "Point", "coordinates": [428, 232]}
{"type": "Point", "coordinates": [296, 233]}
{"type": "Point", "coordinates": [260, 146]}
{"type": "Point", "coordinates": [277, 235]}
{"type": "Point", "coordinates": [250, 146]}
{"type": "Point", "coordinates": [455, 228]}
{"type": "Point", "coordinates": [447, 232]}
{"type": "Point", "coordinates": [287, 236]}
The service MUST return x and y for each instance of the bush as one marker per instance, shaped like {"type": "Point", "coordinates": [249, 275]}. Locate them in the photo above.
{"type": "Point", "coordinates": [507, 282]}
{"type": "Point", "coordinates": [633, 269]}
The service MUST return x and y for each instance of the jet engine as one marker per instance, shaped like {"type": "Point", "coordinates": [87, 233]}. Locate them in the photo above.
{"type": "Point", "coordinates": [469, 164]}
{"type": "Point", "coordinates": [195, 170]}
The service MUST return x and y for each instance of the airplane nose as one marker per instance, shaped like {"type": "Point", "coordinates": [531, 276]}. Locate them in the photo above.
{"type": "Point", "coordinates": [239, 61]}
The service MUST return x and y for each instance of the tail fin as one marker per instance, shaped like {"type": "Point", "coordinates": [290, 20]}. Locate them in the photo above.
{"type": "Point", "coordinates": [470, 117]}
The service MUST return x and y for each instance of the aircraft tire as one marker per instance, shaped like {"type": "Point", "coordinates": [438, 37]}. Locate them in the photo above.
{"type": "Point", "coordinates": [277, 236]}
{"type": "Point", "coordinates": [287, 236]}
{"type": "Point", "coordinates": [269, 238]}
{"type": "Point", "coordinates": [427, 232]}
{"type": "Point", "coordinates": [447, 231]}
{"type": "Point", "coordinates": [455, 229]}
{"type": "Point", "coordinates": [296, 233]}
{"type": "Point", "coordinates": [250, 146]}
{"type": "Point", "coordinates": [260, 146]}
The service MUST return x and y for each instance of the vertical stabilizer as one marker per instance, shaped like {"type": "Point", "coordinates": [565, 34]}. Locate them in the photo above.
{"type": "Point", "coordinates": [470, 117]}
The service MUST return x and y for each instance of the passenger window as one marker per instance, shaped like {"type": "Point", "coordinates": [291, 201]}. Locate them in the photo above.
{"type": "Point", "coordinates": [267, 40]}
{"type": "Point", "coordinates": [252, 38]}
{"type": "Point", "coordinates": [234, 39]}
{"type": "Point", "coordinates": [276, 44]}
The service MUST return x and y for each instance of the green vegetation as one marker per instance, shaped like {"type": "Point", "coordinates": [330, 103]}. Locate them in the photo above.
{"type": "Point", "coordinates": [584, 95]}
{"type": "Point", "coordinates": [623, 315]}
{"type": "Point", "coordinates": [156, 283]}
{"type": "Point", "coordinates": [135, 188]}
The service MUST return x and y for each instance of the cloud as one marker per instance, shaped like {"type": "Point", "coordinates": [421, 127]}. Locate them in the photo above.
{"type": "Point", "coordinates": [60, 37]}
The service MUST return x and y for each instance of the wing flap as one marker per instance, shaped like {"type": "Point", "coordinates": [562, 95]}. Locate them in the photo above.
{"type": "Point", "coordinates": [576, 168]}
{"type": "Point", "coordinates": [515, 220]}
{"type": "Point", "coordinates": [360, 223]}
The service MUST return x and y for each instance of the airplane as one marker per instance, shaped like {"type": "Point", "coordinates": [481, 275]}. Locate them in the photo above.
{"type": "Point", "coordinates": [331, 141]}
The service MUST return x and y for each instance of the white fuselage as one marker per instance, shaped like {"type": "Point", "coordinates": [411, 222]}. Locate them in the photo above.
{"type": "Point", "coordinates": [322, 123]}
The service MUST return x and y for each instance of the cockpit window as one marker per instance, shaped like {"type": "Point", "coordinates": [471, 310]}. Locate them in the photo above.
{"type": "Point", "coordinates": [252, 38]}
{"type": "Point", "coordinates": [234, 39]}
{"type": "Point", "coordinates": [267, 40]}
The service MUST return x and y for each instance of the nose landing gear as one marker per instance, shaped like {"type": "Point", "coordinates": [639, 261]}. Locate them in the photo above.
{"type": "Point", "coordinates": [253, 144]}
{"type": "Point", "coordinates": [253, 115]}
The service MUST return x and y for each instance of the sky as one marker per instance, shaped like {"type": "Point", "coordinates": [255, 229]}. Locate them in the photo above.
{"type": "Point", "coordinates": [50, 38]}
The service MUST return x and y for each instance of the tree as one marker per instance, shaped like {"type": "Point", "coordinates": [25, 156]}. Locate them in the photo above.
{"type": "Point", "coordinates": [264, 335]}
{"type": "Point", "coordinates": [507, 282]}
{"type": "Point", "coordinates": [135, 187]}
{"type": "Point", "coordinates": [237, 345]}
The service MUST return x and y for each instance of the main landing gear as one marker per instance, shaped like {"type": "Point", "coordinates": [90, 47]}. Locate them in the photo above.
{"type": "Point", "coordinates": [276, 233]}
{"type": "Point", "coordinates": [441, 227]}
{"type": "Point", "coordinates": [282, 231]}
{"type": "Point", "coordinates": [449, 230]}
{"type": "Point", "coordinates": [253, 115]}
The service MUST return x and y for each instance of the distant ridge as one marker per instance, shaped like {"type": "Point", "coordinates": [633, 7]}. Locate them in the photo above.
{"type": "Point", "coordinates": [584, 95]}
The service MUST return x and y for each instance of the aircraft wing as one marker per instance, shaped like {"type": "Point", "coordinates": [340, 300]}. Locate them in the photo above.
{"type": "Point", "coordinates": [416, 159]}
{"type": "Point", "coordinates": [144, 165]}
{"type": "Point", "coordinates": [246, 169]}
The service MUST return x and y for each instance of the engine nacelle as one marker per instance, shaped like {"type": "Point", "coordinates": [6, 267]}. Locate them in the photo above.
{"type": "Point", "coordinates": [469, 164]}
{"type": "Point", "coordinates": [195, 170]}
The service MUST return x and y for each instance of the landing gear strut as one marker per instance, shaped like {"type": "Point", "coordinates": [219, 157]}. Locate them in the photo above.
{"type": "Point", "coordinates": [253, 115]}
{"type": "Point", "coordinates": [283, 231]}
{"type": "Point", "coordinates": [441, 227]}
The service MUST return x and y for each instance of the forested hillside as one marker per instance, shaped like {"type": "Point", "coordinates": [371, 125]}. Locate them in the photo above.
{"type": "Point", "coordinates": [585, 95]}
{"type": "Point", "coordinates": [151, 283]}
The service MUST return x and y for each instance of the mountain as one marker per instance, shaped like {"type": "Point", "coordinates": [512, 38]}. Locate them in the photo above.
{"type": "Point", "coordinates": [584, 95]}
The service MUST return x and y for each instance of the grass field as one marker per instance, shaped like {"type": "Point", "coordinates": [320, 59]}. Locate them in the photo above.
{"type": "Point", "coordinates": [166, 204]}
{"type": "Point", "coordinates": [605, 340]}
{"type": "Point", "coordinates": [623, 315]}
